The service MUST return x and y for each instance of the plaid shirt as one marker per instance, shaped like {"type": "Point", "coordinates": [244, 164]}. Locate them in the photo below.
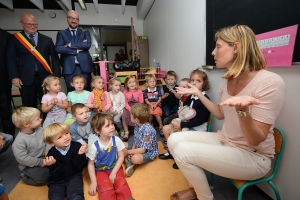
{"type": "Point", "coordinates": [145, 138]}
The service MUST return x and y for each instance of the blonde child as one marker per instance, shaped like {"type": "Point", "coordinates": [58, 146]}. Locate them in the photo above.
{"type": "Point", "coordinates": [118, 101]}
{"type": "Point", "coordinates": [79, 95]}
{"type": "Point", "coordinates": [66, 160]}
{"type": "Point", "coordinates": [54, 102]}
{"type": "Point", "coordinates": [105, 161]}
{"type": "Point", "coordinates": [170, 96]}
{"type": "Point", "coordinates": [144, 148]}
{"type": "Point", "coordinates": [132, 95]}
{"type": "Point", "coordinates": [153, 99]}
{"type": "Point", "coordinates": [29, 148]}
{"type": "Point", "coordinates": [98, 99]}
{"type": "Point", "coordinates": [199, 79]}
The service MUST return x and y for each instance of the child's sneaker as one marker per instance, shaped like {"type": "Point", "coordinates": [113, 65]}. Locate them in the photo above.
{"type": "Point", "coordinates": [130, 170]}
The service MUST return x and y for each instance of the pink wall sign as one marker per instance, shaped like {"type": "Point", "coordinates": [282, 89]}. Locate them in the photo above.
{"type": "Point", "coordinates": [278, 46]}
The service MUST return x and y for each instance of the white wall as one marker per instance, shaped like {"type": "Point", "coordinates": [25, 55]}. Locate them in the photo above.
{"type": "Point", "coordinates": [106, 16]}
{"type": "Point", "coordinates": [176, 39]}
{"type": "Point", "coordinates": [175, 30]}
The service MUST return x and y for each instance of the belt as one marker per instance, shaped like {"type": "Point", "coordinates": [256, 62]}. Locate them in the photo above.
{"type": "Point", "coordinates": [77, 64]}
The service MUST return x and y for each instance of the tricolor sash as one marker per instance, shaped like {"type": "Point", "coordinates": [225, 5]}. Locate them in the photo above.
{"type": "Point", "coordinates": [33, 51]}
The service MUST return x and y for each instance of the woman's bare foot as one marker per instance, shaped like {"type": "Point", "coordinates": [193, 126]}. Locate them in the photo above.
{"type": "Point", "coordinates": [188, 194]}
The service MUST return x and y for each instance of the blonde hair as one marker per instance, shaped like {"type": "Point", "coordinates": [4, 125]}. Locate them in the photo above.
{"type": "Point", "coordinates": [149, 77]}
{"type": "Point", "coordinates": [24, 115]}
{"type": "Point", "coordinates": [98, 121]}
{"type": "Point", "coordinates": [185, 79]}
{"type": "Point", "coordinates": [94, 79]}
{"type": "Point", "coordinates": [127, 80]}
{"type": "Point", "coordinates": [47, 82]}
{"type": "Point", "coordinates": [113, 80]}
{"type": "Point", "coordinates": [205, 85]}
{"type": "Point", "coordinates": [171, 73]}
{"type": "Point", "coordinates": [54, 129]}
{"type": "Point", "coordinates": [249, 57]}
{"type": "Point", "coordinates": [141, 112]}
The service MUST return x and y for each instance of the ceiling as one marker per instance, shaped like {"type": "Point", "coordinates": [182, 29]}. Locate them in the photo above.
{"type": "Point", "coordinates": [53, 5]}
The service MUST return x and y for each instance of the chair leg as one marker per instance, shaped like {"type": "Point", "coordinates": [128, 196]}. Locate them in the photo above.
{"type": "Point", "coordinates": [12, 100]}
{"type": "Point", "coordinates": [212, 181]}
{"type": "Point", "coordinates": [275, 190]}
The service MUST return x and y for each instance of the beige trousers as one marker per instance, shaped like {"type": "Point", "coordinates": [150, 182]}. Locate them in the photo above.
{"type": "Point", "coordinates": [194, 151]}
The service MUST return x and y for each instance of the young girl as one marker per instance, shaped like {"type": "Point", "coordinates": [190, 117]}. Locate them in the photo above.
{"type": "Point", "coordinates": [106, 158]}
{"type": "Point", "coordinates": [79, 95]}
{"type": "Point", "coordinates": [54, 102]}
{"type": "Point", "coordinates": [118, 101]}
{"type": "Point", "coordinates": [132, 95]}
{"type": "Point", "coordinates": [153, 99]}
{"type": "Point", "coordinates": [199, 79]}
{"type": "Point", "coordinates": [98, 99]}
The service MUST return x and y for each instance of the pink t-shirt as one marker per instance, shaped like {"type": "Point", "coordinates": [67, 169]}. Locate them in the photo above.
{"type": "Point", "coordinates": [133, 95]}
{"type": "Point", "coordinates": [55, 110]}
{"type": "Point", "coordinates": [269, 89]}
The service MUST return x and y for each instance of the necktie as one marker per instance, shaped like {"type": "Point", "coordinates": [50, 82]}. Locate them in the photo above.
{"type": "Point", "coordinates": [33, 42]}
{"type": "Point", "coordinates": [73, 34]}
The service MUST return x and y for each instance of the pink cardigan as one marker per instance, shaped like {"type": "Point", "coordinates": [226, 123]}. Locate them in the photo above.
{"type": "Point", "coordinates": [137, 95]}
{"type": "Point", "coordinates": [105, 100]}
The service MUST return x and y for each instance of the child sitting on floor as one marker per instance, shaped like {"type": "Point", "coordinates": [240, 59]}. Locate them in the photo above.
{"type": "Point", "coordinates": [29, 148]}
{"type": "Point", "coordinates": [81, 130]}
{"type": "Point", "coordinates": [106, 158]}
{"type": "Point", "coordinates": [153, 99]}
{"type": "Point", "coordinates": [66, 161]}
{"type": "Point", "coordinates": [144, 149]}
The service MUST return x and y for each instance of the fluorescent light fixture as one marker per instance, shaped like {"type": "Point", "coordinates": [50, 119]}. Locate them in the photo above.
{"type": "Point", "coordinates": [82, 4]}
{"type": "Point", "coordinates": [63, 5]}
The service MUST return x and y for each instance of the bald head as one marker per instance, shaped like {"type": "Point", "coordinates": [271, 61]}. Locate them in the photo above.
{"type": "Point", "coordinates": [28, 22]}
{"type": "Point", "coordinates": [73, 19]}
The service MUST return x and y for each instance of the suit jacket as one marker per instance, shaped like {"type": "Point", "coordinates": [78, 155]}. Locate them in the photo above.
{"type": "Point", "coordinates": [68, 53]}
{"type": "Point", "coordinates": [21, 63]}
{"type": "Point", "coordinates": [5, 81]}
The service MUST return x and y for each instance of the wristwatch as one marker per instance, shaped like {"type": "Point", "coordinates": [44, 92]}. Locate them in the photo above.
{"type": "Point", "coordinates": [243, 113]}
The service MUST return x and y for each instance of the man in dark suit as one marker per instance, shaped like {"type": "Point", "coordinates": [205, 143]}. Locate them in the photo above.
{"type": "Point", "coordinates": [5, 88]}
{"type": "Point", "coordinates": [73, 44]}
{"type": "Point", "coordinates": [24, 69]}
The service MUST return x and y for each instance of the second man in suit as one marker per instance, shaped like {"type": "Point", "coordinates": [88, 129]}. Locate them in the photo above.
{"type": "Point", "coordinates": [73, 44]}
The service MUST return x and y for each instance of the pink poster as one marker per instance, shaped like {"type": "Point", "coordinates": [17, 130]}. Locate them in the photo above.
{"type": "Point", "coordinates": [278, 46]}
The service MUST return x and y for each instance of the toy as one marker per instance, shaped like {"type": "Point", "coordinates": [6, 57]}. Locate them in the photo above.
{"type": "Point", "coordinates": [184, 114]}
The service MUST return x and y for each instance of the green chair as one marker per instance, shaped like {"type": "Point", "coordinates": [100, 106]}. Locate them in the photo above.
{"type": "Point", "coordinates": [242, 184]}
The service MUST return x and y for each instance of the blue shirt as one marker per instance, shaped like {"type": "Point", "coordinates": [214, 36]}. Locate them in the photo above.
{"type": "Point", "coordinates": [152, 96]}
{"type": "Point", "coordinates": [145, 138]}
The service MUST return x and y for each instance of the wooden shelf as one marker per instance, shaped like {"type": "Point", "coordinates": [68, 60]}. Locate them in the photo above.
{"type": "Point", "coordinates": [143, 86]}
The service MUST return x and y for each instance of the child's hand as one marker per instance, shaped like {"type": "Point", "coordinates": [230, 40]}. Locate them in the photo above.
{"type": "Point", "coordinates": [103, 110]}
{"type": "Point", "coordinates": [2, 143]}
{"type": "Point", "coordinates": [95, 106]}
{"type": "Point", "coordinates": [165, 95]}
{"type": "Point", "coordinates": [112, 177]}
{"type": "Point", "coordinates": [152, 107]}
{"type": "Point", "coordinates": [54, 101]}
{"type": "Point", "coordinates": [172, 91]}
{"type": "Point", "coordinates": [46, 153]}
{"type": "Point", "coordinates": [47, 161]}
{"type": "Point", "coordinates": [176, 126]}
{"type": "Point", "coordinates": [93, 189]}
{"type": "Point", "coordinates": [83, 149]}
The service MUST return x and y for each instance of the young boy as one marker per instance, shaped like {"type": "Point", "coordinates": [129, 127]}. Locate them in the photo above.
{"type": "Point", "coordinates": [153, 99]}
{"type": "Point", "coordinates": [170, 97]}
{"type": "Point", "coordinates": [66, 160]}
{"type": "Point", "coordinates": [81, 130]}
{"type": "Point", "coordinates": [144, 149]}
{"type": "Point", "coordinates": [29, 148]}
{"type": "Point", "coordinates": [105, 161]}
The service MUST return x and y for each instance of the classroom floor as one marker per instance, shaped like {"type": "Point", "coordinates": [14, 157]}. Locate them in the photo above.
{"type": "Point", "coordinates": [224, 190]}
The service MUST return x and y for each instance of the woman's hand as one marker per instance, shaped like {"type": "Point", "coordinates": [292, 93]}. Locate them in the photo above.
{"type": "Point", "coordinates": [240, 103]}
{"type": "Point", "coordinates": [190, 90]}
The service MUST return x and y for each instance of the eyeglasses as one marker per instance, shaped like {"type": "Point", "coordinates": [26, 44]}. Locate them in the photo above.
{"type": "Point", "coordinates": [72, 18]}
{"type": "Point", "coordinates": [29, 25]}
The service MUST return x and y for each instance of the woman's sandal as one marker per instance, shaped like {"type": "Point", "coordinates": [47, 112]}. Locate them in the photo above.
{"type": "Point", "coordinates": [178, 195]}
{"type": "Point", "coordinates": [125, 137]}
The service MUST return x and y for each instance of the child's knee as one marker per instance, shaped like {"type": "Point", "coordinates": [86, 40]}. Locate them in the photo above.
{"type": "Point", "coordinates": [106, 186]}
{"type": "Point", "coordinates": [119, 182]}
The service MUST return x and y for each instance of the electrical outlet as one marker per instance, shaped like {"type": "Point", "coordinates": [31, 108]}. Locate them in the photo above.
{"type": "Point", "coordinates": [154, 60]}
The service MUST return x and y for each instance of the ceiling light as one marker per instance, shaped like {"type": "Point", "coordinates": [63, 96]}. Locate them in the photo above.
{"type": "Point", "coordinates": [82, 4]}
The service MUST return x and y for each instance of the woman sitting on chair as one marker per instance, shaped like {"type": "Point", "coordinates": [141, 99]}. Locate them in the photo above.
{"type": "Point", "coordinates": [250, 99]}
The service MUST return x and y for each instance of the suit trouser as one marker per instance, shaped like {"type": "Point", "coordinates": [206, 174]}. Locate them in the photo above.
{"type": "Point", "coordinates": [194, 151]}
{"type": "Point", "coordinates": [78, 70]}
{"type": "Point", "coordinates": [5, 112]}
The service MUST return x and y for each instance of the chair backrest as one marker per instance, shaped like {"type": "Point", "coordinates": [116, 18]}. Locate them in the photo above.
{"type": "Point", "coordinates": [279, 146]}
{"type": "Point", "coordinates": [209, 122]}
